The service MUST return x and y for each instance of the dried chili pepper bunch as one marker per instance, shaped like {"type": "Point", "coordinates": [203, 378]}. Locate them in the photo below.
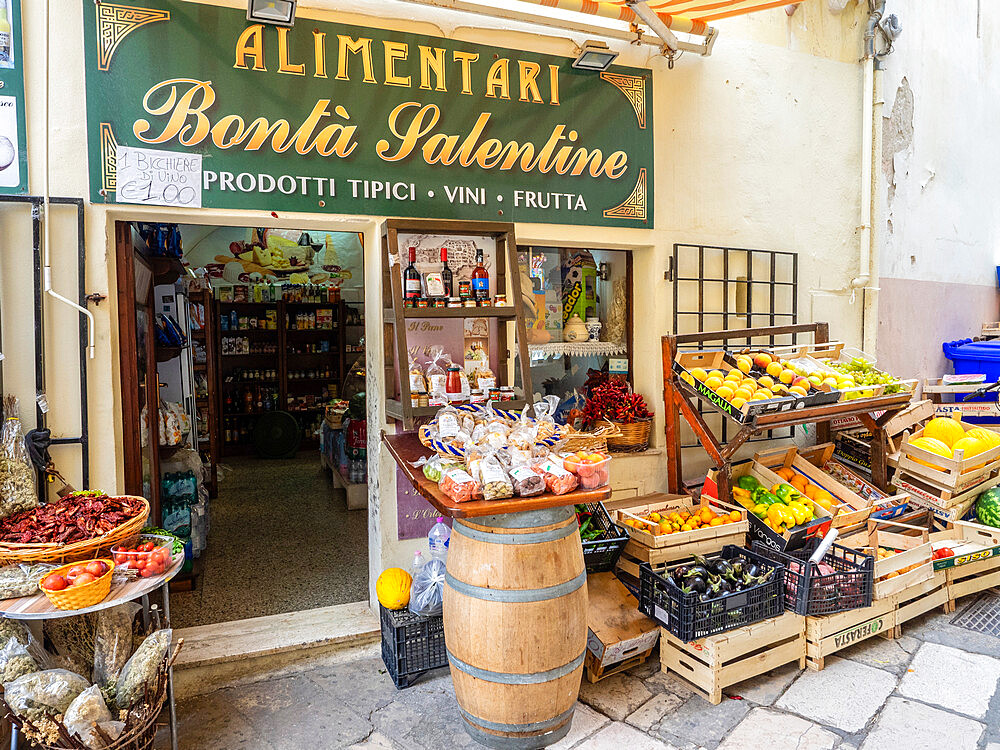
{"type": "Point", "coordinates": [74, 518]}
{"type": "Point", "coordinates": [614, 400]}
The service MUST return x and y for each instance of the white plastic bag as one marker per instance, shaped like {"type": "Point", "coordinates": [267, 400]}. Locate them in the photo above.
{"type": "Point", "coordinates": [42, 694]}
{"type": "Point", "coordinates": [427, 589]}
{"type": "Point", "coordinates": [15, 661]}
{"type": "Point", "coordinates": [87, 709]}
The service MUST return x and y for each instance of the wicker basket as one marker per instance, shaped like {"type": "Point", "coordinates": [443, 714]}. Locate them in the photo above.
{"type": "Point", "coordinates": [141, 733]}
{"type": "Point", "coordinates": [89, 549]}
{"type": "Point", "coordinates": [78, 597]}
{"type": "Point", "coordinates": [595, 440]}
{"type": "Point", "coordinates": [633, 437]}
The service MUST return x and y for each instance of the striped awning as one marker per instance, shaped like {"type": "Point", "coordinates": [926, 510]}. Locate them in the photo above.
{"type": "Point", "coordinates": [688, 16]}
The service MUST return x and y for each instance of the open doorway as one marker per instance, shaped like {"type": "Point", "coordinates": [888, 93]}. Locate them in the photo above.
{"type": "Point", "coordinates": [243, 373]}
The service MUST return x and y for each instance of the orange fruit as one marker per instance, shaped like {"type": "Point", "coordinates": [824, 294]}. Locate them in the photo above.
{"type": "Point", "coordinates": [743, 393]}
{"type": "Point", "coordinates": [686, 527]}
{"type": "Point", "coordinates": [699, 374]}
{"type": "Point", "coordinates": [786, 473]}
{"type": "Point", "coordinates": [799, 482]}
{"type": "Point", "coordinates": [810, 491]}
{"type": "Point", "coordinates": [734, 375]}
{"type": "Point", "coordinates": [713, 382]}
{"type": "Point", "coordinates": [735, 516]}
{"type": "Point", "coordinates": [716, 522]}
{"type": "Point", "coordinates": [725, 392]}
{"type": "Point", "coordinates": [738, 402]}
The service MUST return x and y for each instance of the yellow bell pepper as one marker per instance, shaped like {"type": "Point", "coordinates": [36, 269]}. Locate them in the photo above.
{"type": "Point", "coordinates": [800, 512]}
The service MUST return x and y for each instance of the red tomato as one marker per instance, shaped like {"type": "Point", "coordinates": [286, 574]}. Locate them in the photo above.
{"type": "Point", "coordinates": [83, 579]}
{"type": "Point", "coordinates": [147, 573]}
{"type": "Point", "coordinates": [54, 582]}
{"type": "Point", "coordinates": [147, 547]}
{"type": "Point", "coordinates": [73, 573]}
{"type": "Point", "coordinates": [120, 558]}
{"type": "Point", "coordinates": [96, 568]}
{"type": "Point", "coordinates": [946, 552]}
{"type": "Point", "coordinates": [140, 563]}
{"type": "Point", "coordinates": [164, 556]}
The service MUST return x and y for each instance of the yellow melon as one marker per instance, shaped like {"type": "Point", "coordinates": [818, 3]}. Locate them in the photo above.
{"type": "Point", "coordinates": [393, 588]}
{"type": "Point", "coordinates": [933, 445]}
{"type": "Point", "coordinates": [993, 438]}
{"type": "Point", "coordinates": [945, 429]}
{"type": "Point", "coordinates": [971, 446]}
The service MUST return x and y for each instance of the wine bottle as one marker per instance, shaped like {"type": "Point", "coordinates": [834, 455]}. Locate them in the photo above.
{"type": "Point", "coordinates": [411, 277]}
{"type": "Point", "coordinates": [480, 280]}
{"type": "Point", "coordinates": [446, 275]}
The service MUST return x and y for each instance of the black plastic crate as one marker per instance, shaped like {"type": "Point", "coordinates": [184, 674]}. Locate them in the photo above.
{"type": "Point", "coordinates": [809, 593]}
{"type": "Point", "coordinates": [411, 645]}
{"type": "Point", "coordinates": [690, 619]}
{"type": "Point", "coordinates": [601, 554]}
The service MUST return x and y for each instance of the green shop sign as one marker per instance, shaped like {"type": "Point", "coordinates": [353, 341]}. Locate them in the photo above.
{"type": "Point", "coordinates": [215, 112]}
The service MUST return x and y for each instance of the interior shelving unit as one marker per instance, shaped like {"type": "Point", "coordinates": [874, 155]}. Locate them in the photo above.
{"type": "Point", "coordinates": [507, 281]}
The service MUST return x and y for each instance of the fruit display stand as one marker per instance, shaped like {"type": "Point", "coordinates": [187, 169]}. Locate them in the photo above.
{"type": "Point", "coordinates": [515, 606]}
{"type": "Point", "coordinates": [873, 412]}
{"type": "Point", "coordinates": [949, 473]}
{"type": "Point", "coordinates": [710, 664]}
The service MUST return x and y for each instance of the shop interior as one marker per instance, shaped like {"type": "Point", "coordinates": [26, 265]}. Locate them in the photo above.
{"type": "Point", "coordinates": [253, 448]}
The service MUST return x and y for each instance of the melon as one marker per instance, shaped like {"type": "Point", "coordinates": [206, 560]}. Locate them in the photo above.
{"type": "Point", "coordinates": [988, 508]}
{"type": "Point", "coordinates": [947, 430]}
{"type": "Point", "coordinates": [932, 445]}
{"type": "Point", "coordinates": [993, 438]}
{"type": "Point", "coordinates": [393, 588]}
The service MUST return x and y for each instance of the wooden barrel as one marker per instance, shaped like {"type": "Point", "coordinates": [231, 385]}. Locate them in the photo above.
{"type": "Point", "coordinates": [515, 625]}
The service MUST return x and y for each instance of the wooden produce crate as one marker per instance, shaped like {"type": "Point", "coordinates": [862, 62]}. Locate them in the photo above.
{"type": "Point", "coordinates": [972, 577]}
{"type": "Point", "coordinates": [971, 542]}
{"type": "Point", "coordinates": [829, 634]}
{"type": "Point", "coordinates": [852, 510]}
{"type": "Point", "coordinates": [923, 597]}
{"type": "Point", "coordinates": [619, 637]}
{"type": "Point", "coordinates": [713, 663]}
{"type": "Point", "coordinates": [954, 474]}
{"type": "Point", "coordinates": [947, 506]}
{"type": "Point", "coordinates": [940, 392]}
{"type": "Point", "coordinates": [790, 538]}
{"type": "Point", "coordinates": [911, 551]}
{"type": "Point", "coordinates": [720, 360]}
{"type": "Point", "coordinates": [907, 419]}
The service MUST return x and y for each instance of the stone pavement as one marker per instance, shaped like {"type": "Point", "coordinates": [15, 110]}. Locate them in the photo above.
{"type": "Point", "coordinates": [933, 689]}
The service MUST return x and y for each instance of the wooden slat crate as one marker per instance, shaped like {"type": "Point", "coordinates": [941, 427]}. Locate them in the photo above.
{"type": "Point", "coordinates": [973, 578]}
{"type": "Point", "coordinates": [948, 506]}
{"type": "Point", "coordinates": [925, 596]}
{"type": "Point", "coordinates": [829, 634]}
{"type": "Point", "coordinates": [597, 672]}
{"type": "Point", "coordinates": [716, 662]}
{"type": "Point", "coordinates": [955, 474]}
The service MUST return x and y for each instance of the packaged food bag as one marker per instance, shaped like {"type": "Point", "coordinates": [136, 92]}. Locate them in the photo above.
{"type": "Point", "coordinates": [15, 661]}
{"type": "Point", "coordinates": [17, 473]}
{"type": "Point", "coordinates": [113, 641]}
{"type": "Point", "coordinates": [142, 668]}
{"type": "Point", "coordinates": [459, 485]}
{"type": "Point", "coordinates": [526, 481]}
{"type": "Point", "coordinates": [42, 694]}
{"type": "Point", "coordinates": [418, 384]}
{"type": "Point", "coordinates": [558, 481]}
{"type": "Point", "coordinates": [86, 710]}
{"type": "Point", "coordinates": [493, 480]}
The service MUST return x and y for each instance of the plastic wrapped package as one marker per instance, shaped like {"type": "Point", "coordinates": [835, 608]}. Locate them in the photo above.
{"type": "Point", "coordinates": [86, 710]}
{"type": "Point", "coordinates": [12, 629]}
{"type": "Point", "coordinates": [526, 481]}
{"type": "Point", "coordinates": [436, 373]}
{"type": "Point", "coordinates": [73, 638]}
{"type": "Point", "coordinates": [418, 383]}
{"type": "Point", "coordinates": [113, 641]}
{"type": "Point", "coordinates": [427, 589]}
{"type": "Point", "coordinates": [17, 474]}
{"type": "Point", "coordinates": [545, 422]}
{"type": "Point", "coordinates": [435, 467]}
{"type": "Point", "coordinates": [22, 580]}
{"type": "Point", "coordinates": [15, 661]}
{"type": "Point", "coordinates": [142, 668]}
{"type": "Point", "coordinates": [558, 481]}
{"type": "Point", "coordinates": [41, 694]}
{"type": "Point", "coordinates": [493, 480]}
{"type": "Point", "coordinates": [458, 485]}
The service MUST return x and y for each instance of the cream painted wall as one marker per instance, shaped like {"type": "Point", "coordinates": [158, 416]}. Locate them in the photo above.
{"type": "Point", "coordinates": [757, 146]}
{"type": "Point", "coordinates": [940, 235]}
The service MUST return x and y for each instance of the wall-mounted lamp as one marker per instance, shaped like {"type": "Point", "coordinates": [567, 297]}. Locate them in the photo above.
{"type": "Point", "coordinates": [276, 12]}
{"type": "Point", "coordinates": [596, 56]}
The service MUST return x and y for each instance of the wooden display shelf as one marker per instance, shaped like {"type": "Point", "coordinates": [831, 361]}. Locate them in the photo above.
{"type": "Point", "coordinates": [491, 311]}
{"type": "Point", "coordinates": [406, 448]}
{"type": "Point", "coordinates": [873, 413]}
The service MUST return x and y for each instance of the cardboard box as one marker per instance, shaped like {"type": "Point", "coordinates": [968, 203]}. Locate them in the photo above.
{"type": "Point", "coordinates": [616, 629]}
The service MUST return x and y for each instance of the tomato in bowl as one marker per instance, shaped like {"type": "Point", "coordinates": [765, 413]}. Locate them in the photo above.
{"type": "Point", "coordinates": [148, 555]}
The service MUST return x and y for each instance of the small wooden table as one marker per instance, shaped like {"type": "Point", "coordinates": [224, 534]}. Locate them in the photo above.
{"type": "Point", "coordinates": [515, 607]}
{"type": "Point", "coordinates": [38, 607]}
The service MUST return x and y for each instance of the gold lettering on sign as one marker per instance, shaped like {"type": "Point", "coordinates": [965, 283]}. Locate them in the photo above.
{"type": "Point", "coordinates": [284, 65]}
{"type": "Point", "coordinates": [499, 78]}
{"type": "Point", "coordinates": [528, 73]}
{"type": "Point", "coordinates": [319, 52]}
{"type": "Point", "coordinates": [432, 60]}
{"type": "Point", "coordinates": [395, 51]}
{"type": "Point", "coordinates": [251, 44]}
{"type": "Point", "coordinates": [348, 45]}
{"type": "Point", "coordinates": [465, 59]}
{"type": "Point", "coordinates": [180, 108]}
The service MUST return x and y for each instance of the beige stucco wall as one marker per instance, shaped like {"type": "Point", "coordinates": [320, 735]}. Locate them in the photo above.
{"type": "Point", "coordinates": [756, 146]}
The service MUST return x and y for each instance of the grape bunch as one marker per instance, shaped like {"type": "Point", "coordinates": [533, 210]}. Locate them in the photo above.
{"type": "Point", "coordinates": [864, 374]}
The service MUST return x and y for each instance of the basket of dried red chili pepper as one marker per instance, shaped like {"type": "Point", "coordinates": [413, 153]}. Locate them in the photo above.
{"type": "Point", "coordinates": [614, 401]}
{"type": "Point", "coordinates": [80, 526]}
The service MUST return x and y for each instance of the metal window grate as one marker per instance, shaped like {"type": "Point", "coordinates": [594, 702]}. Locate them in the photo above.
{"type": "Point", "coordinates": [718, 288]}
{"type": "Point", "coordinates": [982, 616]}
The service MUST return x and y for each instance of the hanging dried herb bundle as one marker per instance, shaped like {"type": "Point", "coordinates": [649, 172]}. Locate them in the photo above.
{"type": "Point", "coordinates": [17, 475]}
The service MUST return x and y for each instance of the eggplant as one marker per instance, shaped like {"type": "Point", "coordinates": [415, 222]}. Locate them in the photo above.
{"type": "Point", "coordinates": [736, 565]}
{"type": "Point", "coordinates": [679, 572]}
{"type": "Point", "coordinates": [725, 587]}
{"type": "Point", "coordinates": [696, 584]}
{"type": "Point", "coordinates": [720, 566]}
{"type": "Point", "coordinates": [696, 571]}
{"type": "Point", "coordinates": [752, 570]}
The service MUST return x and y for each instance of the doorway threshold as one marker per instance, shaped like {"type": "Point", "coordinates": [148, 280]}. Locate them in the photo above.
{"type": "Point", "coordinates": [227, 653]}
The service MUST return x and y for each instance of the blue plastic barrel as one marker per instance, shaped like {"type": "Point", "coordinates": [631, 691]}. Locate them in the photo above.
{"type": "Point", "coordinates": [976, 358]}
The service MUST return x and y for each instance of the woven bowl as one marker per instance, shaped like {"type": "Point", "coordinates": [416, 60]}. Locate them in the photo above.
{"type": "Point", "coordinates": [78, 597]}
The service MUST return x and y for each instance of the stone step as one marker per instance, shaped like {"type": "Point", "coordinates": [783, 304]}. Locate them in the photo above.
{"type": "Point", "coordinates": [244, 651]}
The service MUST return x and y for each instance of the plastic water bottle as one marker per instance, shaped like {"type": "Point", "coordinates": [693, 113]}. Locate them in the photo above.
{"type": "Point", "coordinates": [437, 539]}
{"type": "Point", "coordinates": [418, 563]}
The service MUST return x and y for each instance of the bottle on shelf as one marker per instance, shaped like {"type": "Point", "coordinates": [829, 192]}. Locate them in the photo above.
{"type": "Point", "coordinates": [411, 277]}
{"type": "Point", "coordinates": [418, 563]}
{"type": "Point", "coordinates": [446, 274]}
{"type": "Point", "coordinates": [480, 280]}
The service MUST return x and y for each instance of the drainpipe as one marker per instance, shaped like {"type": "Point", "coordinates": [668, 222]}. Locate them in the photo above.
{"type": "Point", "coordinates": [868, 136]}
{"type": "Point", "coordinates": [46, 253]}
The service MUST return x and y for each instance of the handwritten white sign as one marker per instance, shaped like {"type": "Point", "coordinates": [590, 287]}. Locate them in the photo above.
{"type": "Point", "coordinates": [161, 178]}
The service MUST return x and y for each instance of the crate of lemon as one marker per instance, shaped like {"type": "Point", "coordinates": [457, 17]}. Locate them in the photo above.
{"type": "Point", "coordinates": [950, 454]}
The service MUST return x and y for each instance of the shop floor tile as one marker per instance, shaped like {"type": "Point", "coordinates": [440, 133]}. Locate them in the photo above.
{"type": "Point", "coordinates": [982, 616]}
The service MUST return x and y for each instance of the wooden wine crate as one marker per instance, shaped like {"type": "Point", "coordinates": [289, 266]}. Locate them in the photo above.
{"type": "Point", "coordinates": [914, 601]}
{"type": "Point", "coordinates": [829, 634]}
{"type": "Point", "coordinates": [711, 664]}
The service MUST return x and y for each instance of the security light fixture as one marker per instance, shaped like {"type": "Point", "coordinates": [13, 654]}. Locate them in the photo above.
{"type": "Point", "coordinates": [276, 12]}
{"type": "Point", "coordinates": [595, 56]}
